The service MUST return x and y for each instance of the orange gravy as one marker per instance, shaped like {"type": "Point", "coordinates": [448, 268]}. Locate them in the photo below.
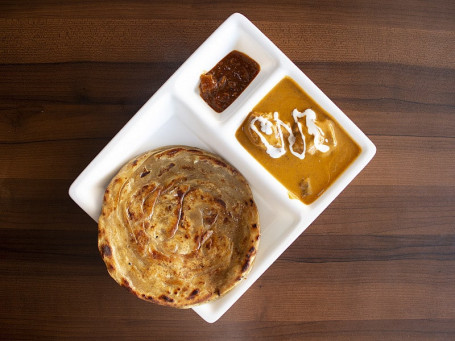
{"type": "Point", "coordinates": [321, 156]}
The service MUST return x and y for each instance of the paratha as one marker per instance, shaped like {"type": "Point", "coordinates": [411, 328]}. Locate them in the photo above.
{"type": "Point", "coordinates": [178, 227]}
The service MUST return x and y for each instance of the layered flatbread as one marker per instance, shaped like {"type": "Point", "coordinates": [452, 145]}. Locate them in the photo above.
{"type": "Point", "coordinates": [178, 227]}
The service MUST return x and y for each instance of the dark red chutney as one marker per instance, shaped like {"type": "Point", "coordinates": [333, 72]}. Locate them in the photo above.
{"type": "Point", "coordinates": [225, 82]}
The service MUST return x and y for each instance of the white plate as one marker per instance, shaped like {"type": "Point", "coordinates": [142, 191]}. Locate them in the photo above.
{"type": "Point", "coordinates": [176, 114]}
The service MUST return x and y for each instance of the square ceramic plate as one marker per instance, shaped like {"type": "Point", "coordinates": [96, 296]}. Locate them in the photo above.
{"type": "Point", "coordinates": [176, 114]}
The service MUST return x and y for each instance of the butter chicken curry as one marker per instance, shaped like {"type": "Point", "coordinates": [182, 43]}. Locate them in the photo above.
{"type": "Point", "coordinates": [297, 141]}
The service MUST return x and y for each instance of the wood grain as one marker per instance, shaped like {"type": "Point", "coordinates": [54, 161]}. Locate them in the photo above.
{"type": "Point", "coordinates": [378, 264]}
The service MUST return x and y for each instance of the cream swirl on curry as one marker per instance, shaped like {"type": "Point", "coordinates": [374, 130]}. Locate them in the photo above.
{"type": "Point", "coordinates": [273, 130]}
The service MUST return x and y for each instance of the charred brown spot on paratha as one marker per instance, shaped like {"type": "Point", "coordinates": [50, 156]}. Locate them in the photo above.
{"type": "Point", "coordinates": [126, 285]}
{"type": "Point", "coordinates": [221, 202]}
{"type": "Point", "coordinates": [146, 298]}
{"type": "Point", "coordinates": [246, 264]}
{"type": "Point", "coordinates": [196, 151]}
{"type": "Point", "coordinates": [159, 256]}
{"type": "Point", "coordinates": [106, 250]}
{"type": "Point", "coordinates": [166, 169]}
{"type": "Point", "coordinates": [145, 172]}
{"type": "Point", "coordinates": [166, 299]}
{"type": "Point", "coordinates": [170, 152]}
{"type": "Point", "coordinates": [193, 294]}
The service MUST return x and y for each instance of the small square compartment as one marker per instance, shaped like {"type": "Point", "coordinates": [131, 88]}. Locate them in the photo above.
{"type": "Point", "coordinates": [231, 35]}
{"type": "Point", "coordinates": [367, 148]}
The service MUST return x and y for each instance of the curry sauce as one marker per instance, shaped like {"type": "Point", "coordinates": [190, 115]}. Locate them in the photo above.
{"type": "Point", "coordinates": [297, 141]}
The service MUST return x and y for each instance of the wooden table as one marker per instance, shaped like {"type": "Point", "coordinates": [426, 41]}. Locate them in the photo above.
{"type": "Point", "coordinates": [379, 263]}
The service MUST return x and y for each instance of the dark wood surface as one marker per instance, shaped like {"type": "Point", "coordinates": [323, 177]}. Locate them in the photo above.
{"type": "Point", "coordinates": [379, 263]}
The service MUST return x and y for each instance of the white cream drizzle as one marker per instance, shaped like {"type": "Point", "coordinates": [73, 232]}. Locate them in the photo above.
{"type": "Point", "coordinates": [278, 151]}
